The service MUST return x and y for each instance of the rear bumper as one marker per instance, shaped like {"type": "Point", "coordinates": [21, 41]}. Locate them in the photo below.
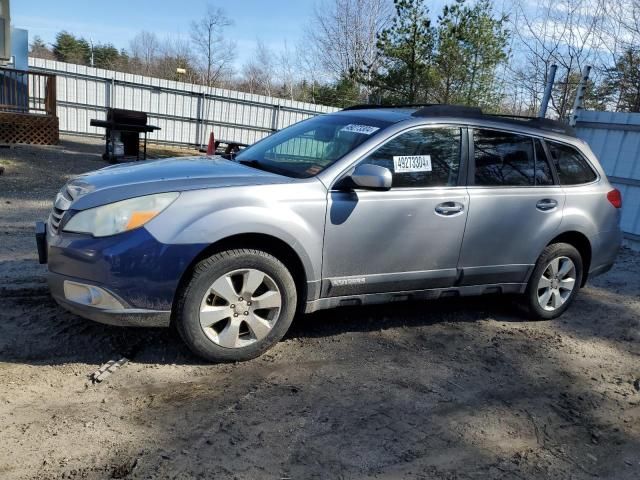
{"type": "Point", "coordinates": [605, 247]}
{"type": "Point", "coordinates": [600, 270]}
{"type": "Point", "coordinates": [113, 311]}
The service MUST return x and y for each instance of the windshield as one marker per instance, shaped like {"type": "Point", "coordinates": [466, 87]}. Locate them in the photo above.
{"type": "Point", "coordinates": [307, 148]}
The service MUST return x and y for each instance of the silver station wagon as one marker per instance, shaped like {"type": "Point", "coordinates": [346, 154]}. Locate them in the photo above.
{"type": "Point", "coordinates": [366, 205]}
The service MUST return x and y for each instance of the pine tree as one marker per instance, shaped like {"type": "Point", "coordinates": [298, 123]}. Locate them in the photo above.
{"type": "Point", "coordinates": [70, 49]}
{"type": "Point", "coordinates": [406, 50]}
{"type": "Point", "coordinates": [105, 56]}
{"type": "Point", "coordinates": [471, 44]}
{"type": "Point", "coordinates": [622, 82]}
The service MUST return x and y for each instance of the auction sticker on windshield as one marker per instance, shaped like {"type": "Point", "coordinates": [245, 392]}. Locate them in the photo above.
{"type": "Point", "coordinates": [355, 128]}
{"type": "Point", "coordinates": [412, 163]}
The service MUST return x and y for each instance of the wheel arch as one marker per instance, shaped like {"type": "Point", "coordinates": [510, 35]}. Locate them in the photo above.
{"type": "Point", "coordinates": [581, 243]}
{"type": "Point", "coordinates": [258, 241]}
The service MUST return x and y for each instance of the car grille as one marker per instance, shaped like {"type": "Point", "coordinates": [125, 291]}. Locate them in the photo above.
{"type": "Point", "coordinates": [61, 204]}
{"type": "Point", "coordinates": [55, 218]}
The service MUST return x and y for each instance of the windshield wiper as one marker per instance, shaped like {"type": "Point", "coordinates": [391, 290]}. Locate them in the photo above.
{"type": "Point", "coordinates": [250, 163]}
{"type": "Point", "coordinates": [268, 168]}
{"type": "Point", "coordinates": [257, 165]}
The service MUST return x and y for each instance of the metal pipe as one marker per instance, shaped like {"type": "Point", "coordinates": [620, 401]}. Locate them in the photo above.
{"type": "Point", "coordinates": [551, 77]}
{"type": "Point", "coordinates": [577, 104]}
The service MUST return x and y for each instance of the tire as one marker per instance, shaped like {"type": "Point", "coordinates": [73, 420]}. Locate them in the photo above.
{"type": "Point", "coordinates": [232, 149]}
{"type": "Point", "coordinates": [224, 291]}
{"type": "Point", "coordinates": [557, 297]}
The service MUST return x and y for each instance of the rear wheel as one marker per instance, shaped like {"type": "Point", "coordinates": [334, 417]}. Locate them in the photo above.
{"type": "Point", "coordinates": [236, 306]}
{"type": "Point", "coordinates": [555, 281]}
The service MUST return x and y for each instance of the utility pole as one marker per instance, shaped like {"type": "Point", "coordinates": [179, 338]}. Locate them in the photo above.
{"type": "Point", "coordinates": [551, 77]}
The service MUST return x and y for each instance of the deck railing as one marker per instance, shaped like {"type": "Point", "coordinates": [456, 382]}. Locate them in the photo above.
{"type": "Point", "coordinates": [23, 91]}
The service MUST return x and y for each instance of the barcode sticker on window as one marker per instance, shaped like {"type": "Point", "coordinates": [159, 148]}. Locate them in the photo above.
{"type": "Point", "coordinates": [412, 163]}
{"type": "Point", "coordinates": [355, 128]}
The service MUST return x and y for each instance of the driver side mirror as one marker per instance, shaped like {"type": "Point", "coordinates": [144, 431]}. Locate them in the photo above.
{"type": "Point", "coordinates": [372, 177]}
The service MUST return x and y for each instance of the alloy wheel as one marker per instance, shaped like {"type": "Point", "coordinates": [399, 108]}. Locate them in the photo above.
{"type": "Point", "coordinates": [240, 308]}
{"type": "Point", "coordinates": [557, 283]}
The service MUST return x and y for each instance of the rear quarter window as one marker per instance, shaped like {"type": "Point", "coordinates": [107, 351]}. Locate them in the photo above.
{"type": "Point", "coordinates": [570, 164]}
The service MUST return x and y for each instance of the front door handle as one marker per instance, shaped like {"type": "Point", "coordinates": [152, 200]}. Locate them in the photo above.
{"type": "Point", "coordinates": [546, 204]}
{"type": "Point", "coordinates": [448, 209]}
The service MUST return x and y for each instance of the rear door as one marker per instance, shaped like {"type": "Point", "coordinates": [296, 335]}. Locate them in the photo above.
{"type": "Point", "coordinates": [515, 207]}
{"type": "Point", "coordinates": [406, 238]}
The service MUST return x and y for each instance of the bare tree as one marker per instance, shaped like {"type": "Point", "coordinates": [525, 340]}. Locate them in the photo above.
{"type": "Point", "coordinates": [344, 33]}
{"type": "Point", "coordinates": [145, 48]}
{"type": "Point", "coordinates": [627, 14]}
{"type": "Point", "coordinates": [564, 32]}
{"type": "Point", "coordinates": [619, 30]}
{"type": "Point", "coordinates": [310, 71]}
{"type": "Point", "coordinates": [258, 73]}
{"type": "Point", "coordinates": [39, 49]}
{"type": "Point", "coordinates": [214, 52]}
{"type": "Point", "coordinates": [287, 71]}
{"type": "Point", "coordinates": [271, 74]}
{"type": "Point", "coordinates": [175, 53]}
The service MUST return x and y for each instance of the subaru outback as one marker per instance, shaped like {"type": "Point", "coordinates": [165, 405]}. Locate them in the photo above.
{"type": "Point", "coordinates": [362, 206]}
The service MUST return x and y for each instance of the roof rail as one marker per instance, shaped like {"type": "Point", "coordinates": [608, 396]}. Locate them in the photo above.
{"type": "Point", "coordinates": [536, 122]}
{"type": "Point", "coordinates": [443, 110]}
{"type": "Point", "coordinates": [476, 112]}
{"type": "Point", "coordinates": [369, 106]}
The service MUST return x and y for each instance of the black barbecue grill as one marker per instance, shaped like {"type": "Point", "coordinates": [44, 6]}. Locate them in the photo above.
{"type": "Point", "coordinates": [122, 138]}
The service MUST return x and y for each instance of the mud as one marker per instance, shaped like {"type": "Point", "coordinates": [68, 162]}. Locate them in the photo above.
{"type": "Point", "coordinates": [454, 389]}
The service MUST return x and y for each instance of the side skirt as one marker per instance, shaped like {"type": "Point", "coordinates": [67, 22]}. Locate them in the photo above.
{"type": "Point", "coordinates": [430, 294]}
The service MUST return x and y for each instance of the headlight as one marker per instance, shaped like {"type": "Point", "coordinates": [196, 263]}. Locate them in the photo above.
{"type": "Point", "coordinates": [119, 216]}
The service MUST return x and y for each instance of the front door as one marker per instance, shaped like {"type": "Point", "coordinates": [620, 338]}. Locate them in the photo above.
{"type": "Point", "coordinates": [406, 238]}
{"type": "Point", "coordinates": [515, 208]}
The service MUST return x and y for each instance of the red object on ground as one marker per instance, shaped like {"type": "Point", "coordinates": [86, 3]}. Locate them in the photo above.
{"type": "Point", "coordinates": [211, 148]}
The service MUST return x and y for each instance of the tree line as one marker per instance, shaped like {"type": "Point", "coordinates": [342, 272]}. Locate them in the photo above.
{"type": "Point", "coordinates": [389, 52]}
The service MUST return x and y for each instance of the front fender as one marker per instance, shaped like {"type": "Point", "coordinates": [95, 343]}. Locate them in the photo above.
{"type": "Point", "coordinates": [293, 213]}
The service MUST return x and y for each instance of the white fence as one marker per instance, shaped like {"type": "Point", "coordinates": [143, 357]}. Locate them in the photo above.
{"type": "Point", "coordinates": [185, 112]}
{"type": "Point", "coordinates": [615, 139]}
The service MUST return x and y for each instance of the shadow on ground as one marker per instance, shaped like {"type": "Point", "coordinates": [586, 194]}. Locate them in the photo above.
{"type": "Point", "coordinates": [433, 390]}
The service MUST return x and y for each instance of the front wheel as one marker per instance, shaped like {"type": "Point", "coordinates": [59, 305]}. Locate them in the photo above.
{"type": "Point", "coordinates": [237, 305]}
{"type": "Point", "coordinates": [554, 283]}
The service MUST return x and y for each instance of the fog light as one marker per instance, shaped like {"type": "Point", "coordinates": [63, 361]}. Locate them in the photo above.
{"type": "Point", "coordinates": [90, 295]}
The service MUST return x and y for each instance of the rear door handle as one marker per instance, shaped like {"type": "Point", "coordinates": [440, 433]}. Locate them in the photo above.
{"type": "Point", "coordinates": [546, 204]}
{"type": "Point", "coordinates": [448, 209]}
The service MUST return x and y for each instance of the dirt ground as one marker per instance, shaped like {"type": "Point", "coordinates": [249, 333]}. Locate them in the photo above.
{"type": "Point", "coordinates": [453, 389]}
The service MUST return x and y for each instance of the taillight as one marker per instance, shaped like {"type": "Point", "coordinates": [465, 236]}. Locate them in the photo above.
{"type": "Point", "coordinates": [615, 198]}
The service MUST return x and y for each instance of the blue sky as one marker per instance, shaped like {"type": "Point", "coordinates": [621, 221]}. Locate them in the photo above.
{"type": "Point", "coordinates": [117, 21]}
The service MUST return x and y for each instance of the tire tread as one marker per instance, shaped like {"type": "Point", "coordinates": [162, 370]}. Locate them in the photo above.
{"type": "Point", "coordinates": [530, 301]}
{"type": "Point", "coordinates": [202, 268]}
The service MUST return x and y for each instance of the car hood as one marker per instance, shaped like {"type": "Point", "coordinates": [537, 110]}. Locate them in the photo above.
{"type": "Point", "coordinates": [134, 179]}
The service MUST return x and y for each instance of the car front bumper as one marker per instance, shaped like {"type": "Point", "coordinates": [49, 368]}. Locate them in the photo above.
{"type": "Point", "coordinates": [41, 241]}
{"type": "Point", "coordinates": [129, 279]}
{"type": "Point", "coordinates": [101, 305]}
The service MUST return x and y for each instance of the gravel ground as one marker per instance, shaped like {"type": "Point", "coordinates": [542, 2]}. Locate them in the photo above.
{"type": "Point", "coordinates": [451, 389]}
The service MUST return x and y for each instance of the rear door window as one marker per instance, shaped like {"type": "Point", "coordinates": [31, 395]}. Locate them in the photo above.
{"type": "Point", "coordinates": [509, 160]}
{"type": "Point", "coordinates": [571, 166]}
